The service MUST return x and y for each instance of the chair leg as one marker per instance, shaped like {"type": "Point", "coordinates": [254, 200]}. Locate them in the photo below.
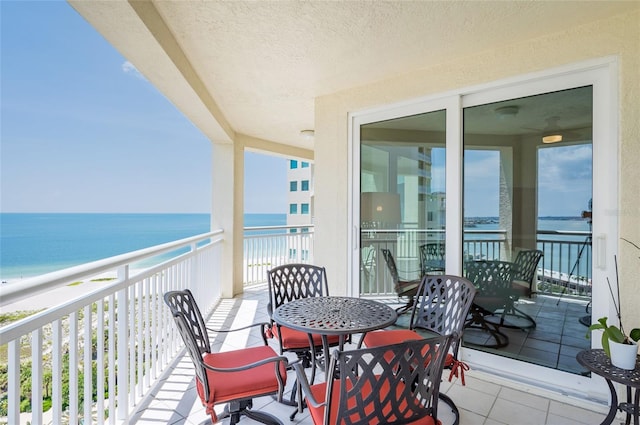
{"type": "Point", "coordinates": [511, 310]}
{"type": "Point", "coordinates": [262, 417]}
{"type": "Point", "coordinates": [477, 321]}
{"type": "Point", "coordinates": [447, 400]}
{"type": "Point", "coordinates": [235, 409]}
{"type": "Point", "coordinates": [406, 307]}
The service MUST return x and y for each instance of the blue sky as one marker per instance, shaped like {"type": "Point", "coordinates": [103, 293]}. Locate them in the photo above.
{"type": "Point", "coordinates": [83, 131]}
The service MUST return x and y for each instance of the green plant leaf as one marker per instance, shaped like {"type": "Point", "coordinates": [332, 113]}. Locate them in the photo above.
{"type": "Point", "coordinates": [635, 334]}
{"type": "Point", "coordinates": [605, 344]}
{"type": "Point", "coordinates": [602, 324]}
{"type": "Point", "coordinates": [615, 334]}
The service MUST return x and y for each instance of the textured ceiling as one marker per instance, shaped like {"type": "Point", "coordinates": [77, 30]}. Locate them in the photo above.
{"type": "Point", "coordinates": [256, 67]}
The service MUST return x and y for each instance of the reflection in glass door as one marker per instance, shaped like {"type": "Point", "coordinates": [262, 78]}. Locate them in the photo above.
{"type": "Point", "coordinates": [527, 190]}
{"type": "Point", "coordinates": [402, 200]}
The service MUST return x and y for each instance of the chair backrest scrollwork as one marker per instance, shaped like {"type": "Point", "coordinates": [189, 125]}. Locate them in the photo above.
{"type": "Point", "coordinates": [294, 281]}
{"type": "Point", "coordinates": [442, 305]}
{"type": "Point", "coordinates": [392, 384]}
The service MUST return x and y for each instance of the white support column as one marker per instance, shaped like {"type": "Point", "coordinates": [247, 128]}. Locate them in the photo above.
{"type": "Point", "coordinates": [227, 212]}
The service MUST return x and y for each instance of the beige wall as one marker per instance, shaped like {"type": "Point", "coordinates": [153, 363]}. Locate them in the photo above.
{"type": "Point", "coordinates": [619, 36]}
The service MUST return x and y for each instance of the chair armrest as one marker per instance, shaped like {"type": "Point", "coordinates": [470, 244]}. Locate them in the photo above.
{"type": "Point", "coordinates": [274, 359]}
{"type": "Point", "coordinates": [304, 388]}
{"type": "Point", "coordinates": [264, 326]}
{"type": "Point", "coordinates": [405, 275]}
{"type": "Point", "coordinates": [408, 287]}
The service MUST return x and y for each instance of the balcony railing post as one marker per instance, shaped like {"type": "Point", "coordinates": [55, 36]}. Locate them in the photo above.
{"type": "Point", "coordinates": [73, 368]}
{"type": "Point", "coordinates": [36, 376]}
{"type": "Point", "coordinates": [123, 347]}
{"type": "Point", "coordinates": [87, 360]}
{"type": "Point", "coordinates": [13, 388]}
{"type": "Point", "coordinates": [100, 352]}
{"type": "Point", "coordinates": [56, 372]}
{"type": "Point", "coordinates": [195, 276]}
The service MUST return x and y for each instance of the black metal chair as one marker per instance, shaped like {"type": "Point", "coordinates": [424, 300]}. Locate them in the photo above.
{"type": "Point", "coordinates": [441, 308]}
{"type": "Point", "coordinates": [234, 377]}
{"type": "Point", "coordinates": [291, 282]}
{"type": "Point", "coordinates": [403, 287]}
{"type": "Point", "coordinates": [368, 266]}
{"type": "Point", "coordinates": [432, 256]}
{"type": "Point", "coordinates": [495, 296]}
{"type": "Point", "coordinates": [391, 384]}
{"type": "Point", "coordinates": [527, 269]}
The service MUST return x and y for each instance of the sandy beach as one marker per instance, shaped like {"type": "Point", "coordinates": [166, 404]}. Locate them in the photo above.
{"type": "Point", "coordinates": [59, 295]}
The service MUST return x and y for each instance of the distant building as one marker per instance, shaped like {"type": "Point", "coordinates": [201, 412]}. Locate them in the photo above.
{"type": "Point", "coordinates": [300, 194]}
{"type": "Point", "coordinates": [300, 203]}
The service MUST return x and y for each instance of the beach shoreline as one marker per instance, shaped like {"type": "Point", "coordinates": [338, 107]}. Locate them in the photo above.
{"type": "Point", "coordinates": [59, 295]}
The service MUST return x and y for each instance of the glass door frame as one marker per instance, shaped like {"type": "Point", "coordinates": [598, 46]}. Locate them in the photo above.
{"type": "Point", "coordinates": [602, 74]}
{"type": "Point", "coordinates": [453, 182]}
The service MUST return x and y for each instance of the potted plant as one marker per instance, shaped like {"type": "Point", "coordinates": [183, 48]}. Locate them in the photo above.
{"type": "Point", "coordinates": [622, 348]}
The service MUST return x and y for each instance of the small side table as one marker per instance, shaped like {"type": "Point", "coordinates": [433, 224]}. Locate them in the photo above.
{"type": "Point", "coordinates": [598, 362]}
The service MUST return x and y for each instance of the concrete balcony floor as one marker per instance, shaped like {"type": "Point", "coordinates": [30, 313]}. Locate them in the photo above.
{"type": "Point", "coordinates": [484, 400]}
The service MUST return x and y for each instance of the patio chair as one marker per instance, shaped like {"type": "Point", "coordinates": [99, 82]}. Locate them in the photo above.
{"type": "Point", "coordinates": [403, 287]}
{"type": "Point", "coordinates": [441, 308]}
{"type": "Point", "coordinates": [495, 300]}
{"type": "Point", "coordinates": [527, 268]}
{"type": "Point", "coordinates": [380, 385]}
{"type": "Point", "coordinates": [287, 283]}
{"type": "Point", "coordinates": [432, 258]}
{"type": "Point", "coordinates": [233, 377]}
{"type": "Point", "coordinates": [368, 258]}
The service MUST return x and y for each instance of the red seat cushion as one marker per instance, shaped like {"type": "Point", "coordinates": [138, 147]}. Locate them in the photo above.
{"type": "Point", "coordinates": [292, 339]}
{"type": "Point", "coordinates": [225, 386]}
{"type": "Point", "coordinates": [319, 393]}
{"type": "Point", "coordinates": [396, 336]}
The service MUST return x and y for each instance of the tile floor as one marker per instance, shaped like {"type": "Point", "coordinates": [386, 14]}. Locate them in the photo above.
{"type": "Point", "coordinates": [554, 342]}
{"type": "Point", "coordinates": [482, 401]}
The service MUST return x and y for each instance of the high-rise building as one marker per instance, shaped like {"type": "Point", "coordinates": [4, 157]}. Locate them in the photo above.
{"type": "Point", "coordinates": [300, 195]}
{"type": "Point", "coordinates": [300, 209]}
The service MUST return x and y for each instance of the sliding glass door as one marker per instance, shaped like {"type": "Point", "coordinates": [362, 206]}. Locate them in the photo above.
{"type": "Point", "coordinates": [402, 199]}
{"type": "Point", "coordinates": [527, 188]}
{"type": "Point", "coordinates": [490, 175]}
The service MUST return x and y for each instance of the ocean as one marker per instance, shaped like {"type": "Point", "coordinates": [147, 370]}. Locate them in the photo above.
{"type": "Point", "coordinates": [38, 243]}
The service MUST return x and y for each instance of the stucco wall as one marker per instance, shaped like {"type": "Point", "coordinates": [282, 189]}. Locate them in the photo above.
{"type": "Point", "coordinates": [619, 36]}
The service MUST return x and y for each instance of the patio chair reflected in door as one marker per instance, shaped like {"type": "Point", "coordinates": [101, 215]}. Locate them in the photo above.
{"type": "Point", "coordinates": [432, 258]}
{"type": "Point", "coordinates": [368, 267]}
{"type": "Point", "coordinates": [493, 281]}
{"type": "Point", "coordinates": [405, 286]}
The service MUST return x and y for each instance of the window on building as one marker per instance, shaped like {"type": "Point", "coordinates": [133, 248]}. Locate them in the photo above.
{"type": "Point", "coordinates": [293, 186]}
{"type": "Point", "coordinates": [304, 208]}
{"type": "Point", "coordinates": [304, 185]}
{"type": "Point", "coordinates": [293, 230]}
{"type": "Point", "coordinates": [304, 165]}
{"type": "Point", "coordinates": [293, 208]}
{"type": "Point", "coordinates": [293, 164]}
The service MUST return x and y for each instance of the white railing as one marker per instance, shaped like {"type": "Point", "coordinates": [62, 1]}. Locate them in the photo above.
{"type": "Point", "coordinates": [92, 359]}
{"type": "Point", "coordinates": [564, 269]}
{"type": "Point", "coordinates": [271, 246]}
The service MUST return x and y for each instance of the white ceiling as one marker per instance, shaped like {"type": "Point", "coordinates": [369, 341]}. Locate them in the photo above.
{"type": "Point", "coordinates": [255, 67]}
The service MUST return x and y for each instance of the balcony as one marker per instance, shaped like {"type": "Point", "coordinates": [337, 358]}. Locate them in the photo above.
{"type": "Point", "coordinates": [132, 341]}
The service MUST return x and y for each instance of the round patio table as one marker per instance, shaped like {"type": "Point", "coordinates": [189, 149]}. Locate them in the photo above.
{"type": "Point", "coordinates": [341, 316]}
{"type": "Point", "coordinates": [598, 362]}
